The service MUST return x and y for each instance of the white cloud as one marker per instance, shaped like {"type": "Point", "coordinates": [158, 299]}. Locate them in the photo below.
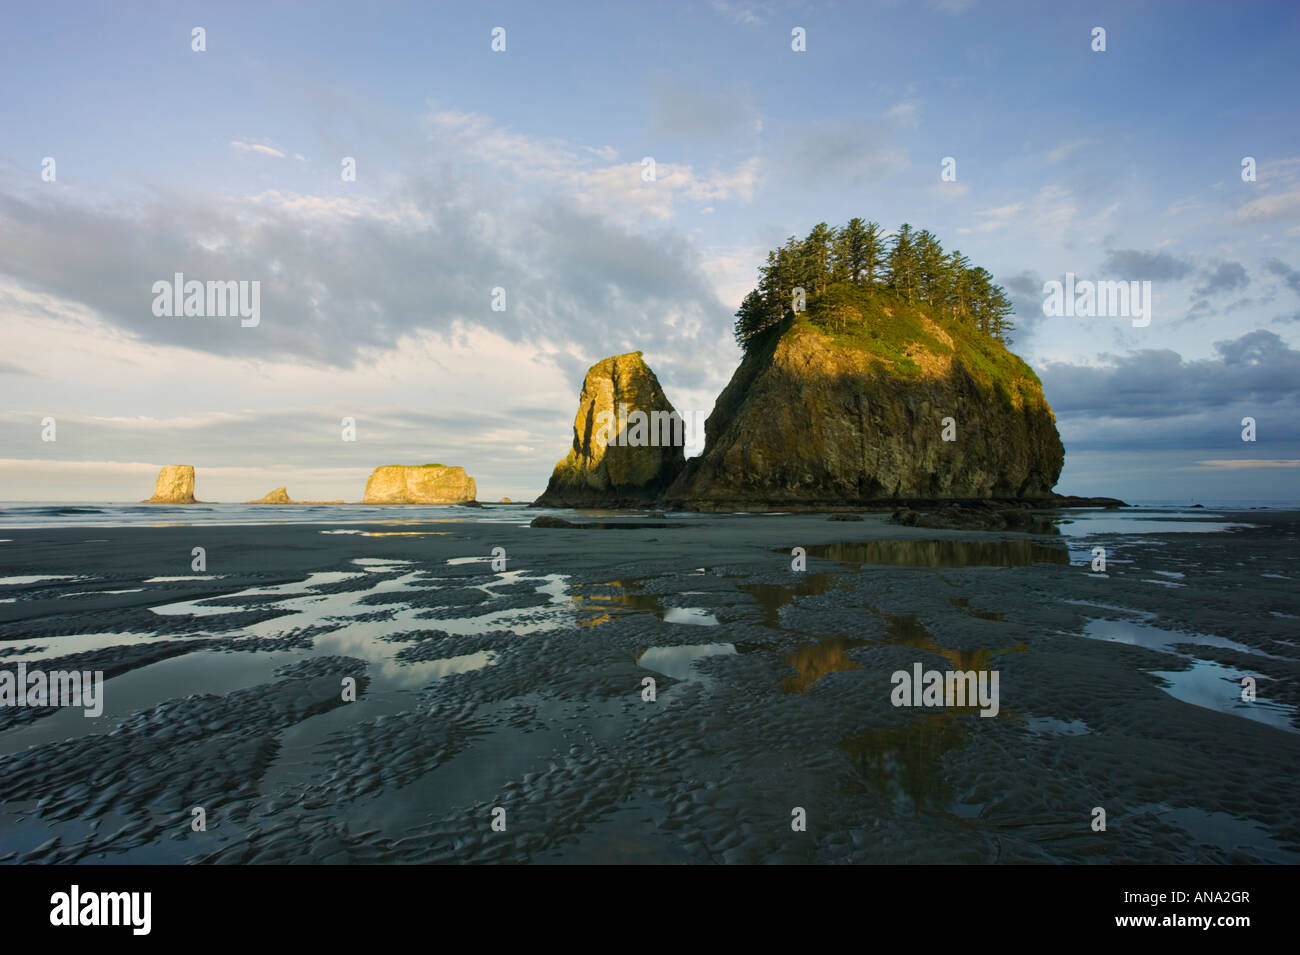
{"type": "Point", "coordinates": [472, 397]}
{"type": "Point", "coordinates": [903, 113]}
{"type": "Point", "coordinates": [616, 190]}
{"type": "Point", "coordinates": [739, 11]}
{"type": "Point", "coordinates": [257, 148]}
{"type": "Point", "coordinates": [1064, 150]}
{"type": "Point", "coordinates": [1052, 211]}
{"type": "Point", "coordinates": [1285, 205]}
{"type": "Point", "coordinates": [993, 219]}
{"type": "Point", "coordinates": [338, 209]}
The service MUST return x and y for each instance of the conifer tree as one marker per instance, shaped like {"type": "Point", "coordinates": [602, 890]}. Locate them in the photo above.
{"type": "Point", "coordinates": [931, 268]}
{"type": "Point", "coordinates": [981, 286]}
{"type": "Point", "coordinates": [750, 319]}
{"type": "Point", "coordinates": [902, 263]}
{"type": "Point", "coordinates": [959, 300]}
{"type": "Point", "coordinates": [872, 254]}
{"type": "Point", "coordinates": [816, 253]}
{"type": "Point", "coordinates": [914, 267]}
{"type": "Point", "coordinates": [857, 252]}
{"type": "Point", "coordinates": [1000, 309]}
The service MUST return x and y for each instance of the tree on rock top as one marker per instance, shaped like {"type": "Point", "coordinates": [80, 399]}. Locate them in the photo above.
{"type": "Point", "coordinates": [914, 269]}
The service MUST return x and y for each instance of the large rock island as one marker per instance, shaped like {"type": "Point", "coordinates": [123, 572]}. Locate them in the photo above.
{"type": "Point", "coordinates": [419, 484]}
{"type": "Point", "coordinates": [874, 372]}
{"type": "Point", "coordinates": [868, 398]}
{"type": "Point", "coordinates": [627, 440]}
{"type": "Point", "coordinates": [175, 485]}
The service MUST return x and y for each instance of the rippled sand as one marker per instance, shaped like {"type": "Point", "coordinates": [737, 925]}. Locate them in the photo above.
{"type": "Point", "coordinates": [481, 688]}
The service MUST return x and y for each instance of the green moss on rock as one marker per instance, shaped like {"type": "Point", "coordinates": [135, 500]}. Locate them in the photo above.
{"type": "Point", "coordinates": [845, 402]}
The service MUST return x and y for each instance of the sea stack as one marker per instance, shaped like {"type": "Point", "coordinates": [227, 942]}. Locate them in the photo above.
{"type": "Point", "coordinates": [279, 496]}
{"type": "Point", "coordinates": [627, 440]}
{"type": "Point", "coordinates": [175, 485]}
{"type": "Point", "coordinates": [419, 484]}
{"type": "Point", "coordinates": [870, 400]}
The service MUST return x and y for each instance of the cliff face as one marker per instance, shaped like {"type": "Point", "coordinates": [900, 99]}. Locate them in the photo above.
{"type": "Point", "coordinates": [419, 484]}
{"type": "Point", "coordinates": [845, 407]}
{"type": "Point", "coordinates": [626, 447]}
{"type": "Point", "coordinates": [175, 485]}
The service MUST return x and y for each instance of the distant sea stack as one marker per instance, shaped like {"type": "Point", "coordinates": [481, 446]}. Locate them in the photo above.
{"type": "Point", "coordinates": [895, 386]}
{"type": "Point", "coordinates": [279, 496]}
{"type": "Point", "coordinates": [175, 485]}
{"type": "Point", "coordinates": [419, 484]}
{"type": "Point", "coordinates": [627, 448]}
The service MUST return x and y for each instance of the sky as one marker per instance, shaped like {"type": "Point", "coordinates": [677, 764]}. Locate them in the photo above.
{"type": "Point", "coordinates": [521, 170]}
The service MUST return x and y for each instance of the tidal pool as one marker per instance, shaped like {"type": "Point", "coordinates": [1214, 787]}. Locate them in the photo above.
{"type": "Point", "coordinates": [1017, 552]}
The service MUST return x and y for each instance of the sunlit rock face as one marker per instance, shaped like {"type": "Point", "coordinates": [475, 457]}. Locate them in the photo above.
{"type": "Point", "coordinates": [627, 439]}
{"type": "Point", "coordinates": [812, 419]}
{"type": "Point", "coordinates": [279, 496]}
{"type": "Point", "coordinates": [419, 484]}
{"type": "Point", "coordinates": [175, 485]}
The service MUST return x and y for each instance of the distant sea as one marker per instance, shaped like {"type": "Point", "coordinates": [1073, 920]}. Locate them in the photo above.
{"type": "Point", "coordinates": [17, 514]}
{"type": "Point", "coordinates": [36, 514]}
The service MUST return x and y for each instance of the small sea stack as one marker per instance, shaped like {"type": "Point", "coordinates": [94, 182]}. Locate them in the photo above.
{"type": "Point", "coordinates": [175, 485]}
{"type": "Point", "coordinates": [279, 496]}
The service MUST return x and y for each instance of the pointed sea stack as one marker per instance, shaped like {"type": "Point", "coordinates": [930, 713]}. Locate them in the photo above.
{"type": "Point", "coordinates": [627, 440]}
{"type": "Point", "coordinates": [279, 496]}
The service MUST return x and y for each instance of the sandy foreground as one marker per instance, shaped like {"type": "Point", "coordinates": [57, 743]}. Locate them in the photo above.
{"type": "Point", "coordinates": [523, 690]}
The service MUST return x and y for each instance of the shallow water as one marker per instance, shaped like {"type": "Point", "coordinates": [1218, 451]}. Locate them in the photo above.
{"type": "Point", "coordinates": [1214, 686]}
{"type": "Point", "coordinates": [772, 597]}
{"type": "Point", "coordinates": [816, 660]}
{"type": "Point", "coordinates": [599, 604]}
{"type": "Point", "coordinates": [1017, 552]}
{"type": "Point", "coordinates": [902, 765]}
{"type": "Point", "coordinates": [29, 515]}
{"type": "Point", "coordinates": [1090, 523]}
{"type": "Point", "coordinates": [679, 662]}
{"type": "Point", "coordinates": [1204, 683]}
{"type": "Point", "coordinates": [523, 688]}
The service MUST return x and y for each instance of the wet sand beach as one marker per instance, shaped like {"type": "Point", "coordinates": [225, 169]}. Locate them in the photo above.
{"type": "Point", "coordinates": [522, 689]}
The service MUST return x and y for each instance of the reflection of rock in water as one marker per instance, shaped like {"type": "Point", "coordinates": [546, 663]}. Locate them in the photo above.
{"type": "Point", "coordinates": [830, 654]}
{"type": "Point", "coordinates": [814, 661]}
{"type": "Point", "coordinates": [772, 597]}
{"type": "Point", "coordinates": [945, 553]}
{"type": "Point", "coordinates": [594, 608]}
{"type": "Point", "coordinates": [624, 595]}
{"type": "Point", "coordinates": [901, 764]}
{"type": "Point", "coordinates": [906, 630]}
